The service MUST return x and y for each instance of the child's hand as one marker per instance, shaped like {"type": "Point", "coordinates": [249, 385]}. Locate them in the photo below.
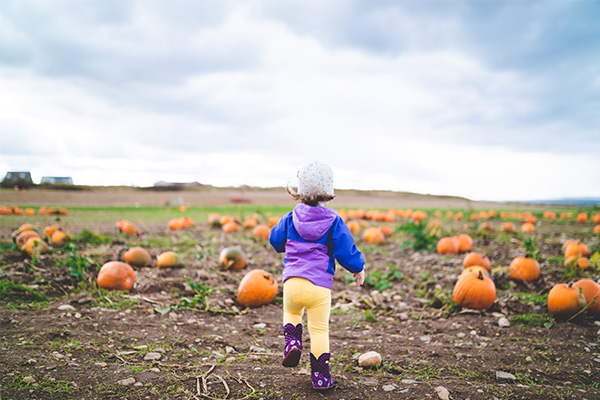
{"type": "Point", "coordinates": [360, 277]}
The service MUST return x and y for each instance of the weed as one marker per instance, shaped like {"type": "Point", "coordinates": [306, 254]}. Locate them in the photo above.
{"type": "Point", "coordinates": [111, 299]}
{"type": "Point", "coordinates": [379, 280]}
{"type": "Point", "coordinates": [200, 299]}
{"type": "Point", "coordinates": [20, 296]}
{"type": "Point", "coordinates": [538, 299]}
{"type": "Point", "coordinates": [421, 239]}
{"type": "Point", "coordinates": [91, 238]}
{"type": "Point", "coordinates": [76, 264]}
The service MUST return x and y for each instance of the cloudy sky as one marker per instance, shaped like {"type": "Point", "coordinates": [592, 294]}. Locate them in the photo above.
{"type": "Point", "coordinates": [491, 100]}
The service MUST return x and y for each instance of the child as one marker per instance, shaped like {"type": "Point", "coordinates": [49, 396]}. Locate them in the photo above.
{"type": "Point", "coordinates": [312, 237]}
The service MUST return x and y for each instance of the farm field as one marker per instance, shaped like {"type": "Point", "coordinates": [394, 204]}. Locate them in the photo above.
{"type": "Point", "coordinates": [180, 333]}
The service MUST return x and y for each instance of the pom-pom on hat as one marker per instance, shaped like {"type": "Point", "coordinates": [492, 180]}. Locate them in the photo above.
{"type": "Point", "coordinates": [314, 179]}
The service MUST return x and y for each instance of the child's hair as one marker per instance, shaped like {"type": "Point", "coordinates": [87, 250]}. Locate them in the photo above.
{"type": "Point", "coordinates": [312, 199]}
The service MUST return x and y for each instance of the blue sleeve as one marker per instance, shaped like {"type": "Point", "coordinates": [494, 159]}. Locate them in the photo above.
{"type": "Point", "coordinates": [344, 249]}
{"type": "Point", "coordinates": [278, 236]}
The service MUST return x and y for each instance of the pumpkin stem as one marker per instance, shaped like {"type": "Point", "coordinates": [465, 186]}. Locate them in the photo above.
{"type": "Point", "coordinates": [480, 276]}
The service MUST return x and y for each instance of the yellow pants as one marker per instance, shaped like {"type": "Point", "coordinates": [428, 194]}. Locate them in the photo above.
{"type": "Point", "coordinates": [298, 294]}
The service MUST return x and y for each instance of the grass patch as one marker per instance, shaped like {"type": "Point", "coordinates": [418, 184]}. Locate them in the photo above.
{"type": "Point", "coordinates": [534, 320]}
{"type": "Point", "coordinates": [15, 295]}
{"type": "Point", "coordinates": [111, 299]}
{"type": "Point", "coordinates": [538, 299]}
{"type": "Point", "coordinates": [91, 238]}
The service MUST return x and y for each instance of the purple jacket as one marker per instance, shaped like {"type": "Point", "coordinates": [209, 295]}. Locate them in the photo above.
{"type": "Point", "coordinates": [313, 238]}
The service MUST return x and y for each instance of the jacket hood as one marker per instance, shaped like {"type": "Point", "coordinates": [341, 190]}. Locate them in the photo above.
{"type": "Point", "coordinates": [312, 223]}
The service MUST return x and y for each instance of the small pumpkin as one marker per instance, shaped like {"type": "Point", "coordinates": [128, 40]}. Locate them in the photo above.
{"type": "Point", "coordinates": [49, 231]}
{"type": "Point", "coordinates": [476, 291]}
{"type": "Point", "coordinates": [186, 222]}
{"type": "Point", "coordinates": [508, 227]}
{"type": "Point", "coordinates": [596, 229]}
{"type": "Point", "coordinates": [230, 227]}
{"type": "Point", "coordinates": [418, 215]}
{"type": "Point", "coordinates": [21, 229]}
{"type": "Point", "coordinates": [475, 269]}
{"type": "Point", "coordinates": [474, 258]}
{"type": "Point", "coordinates": [576, 249]}
{"type": "Point", "coordinates": [582, 218]}
{"type": "Point", "coordinates": [214, 220]}
{"type": "Point", "coordinates": [596, 218]}
{"type": "Point", "coordinates": [137, 257]}
{"type": "Point", "coordinates": [127, 228]}
{"type": "Point", "coordinates": [232, 258]}
{"type": "Point", "coordinates": [564, 301]}
{"type": "Point", "coordinates": [169, 259]}
{"type": "Point", "coordinates": [386, 230]}
{"type": "Point", "coordinates": [448, 245]}
{"type": "Point", "coordinates": [25, 236]}
{"type": "Point", "coordinates": [581, 262]}
{"type": "Point", "coordinates": [486, 226]}
{"type": "Point", "coordinates": [465, 243]}
{"type": "Point", "coordinates": [250, 223]}
{"type": "Point", "coordinates": [257, 288]}
{"type": "Point", "coordinates": [116, 275]}
{"type": "Point", "coordinates": [29, 212]}
{"type": "Point", "coordinates": [527, 227]}
{"type": "Point", "coordinates": [35, 246]}
{"type": "Point", "coordinates": [353, 226]}
{"type": "Point", "coordinates": [549, 214]}
{"type": "Point", "coordinates": [272, 221]}
{"type": "Point", "coordinates": [261, 231]}
{"type": "Point", "coordinates": [59, 238]}
{"type": "Point", "coordinates": [591, 293]}
{"type": "Point", "coordinates": [373, 235]}
{"type": "Point", "coordinates": [175, 224]}
{"type": "Point", "coordinates": [524, 269]}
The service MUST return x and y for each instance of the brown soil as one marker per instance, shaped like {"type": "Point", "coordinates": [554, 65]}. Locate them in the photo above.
{"type": "Point", "coordinates": [87, 352]}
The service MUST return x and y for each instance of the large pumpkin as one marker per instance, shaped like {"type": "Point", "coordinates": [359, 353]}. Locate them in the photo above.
{"type": "Point", "coordinates": [474, 290]}
{"type": "Point", "coordinates": [591, 293]}
{"type": "Point", "coordinates": [137, 257]}
{"type": "Point", "coordinates": [35, 246]}
{"type": "Point", "coordinates": [581, 262]}
{"type": "Point", "coordinates": [257, 288]}
{"type": "Point", "coordinates": [524, 269]}
{"type": "Point", "coordinates": [474, 258]}
{"type": "Point", "coordinates": [116, 275]}
{"type": "Point", "coordinates": [564, 301]}
{"type": "Point", "coordinates": [59, 238]}
{"type": "Point", "coordinates": [232, 258]}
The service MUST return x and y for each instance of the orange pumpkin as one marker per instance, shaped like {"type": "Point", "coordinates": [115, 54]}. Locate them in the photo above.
{"type": "Point", "coordinates": [486, 226]}
{"type": "Point", "coordinates": [49, 231]}
{"type": "Point", "coordinates": [262, 231]}
{"type": "Point", "coordinates": [591, 293]}
{"type": "Point", "coordinates": [596, 218]}
{"type": "Point", "coordinates": [386, 230]}
{"type": "Point", "coordinates": [475, 258]}
{"type": "Point", "coordinates": [582, 218]}
{"type": "Point", "coordinates": [581, 262]}
{"type": "Point", "coordinates": [530, 218]}
{"type": "Point", "coordinates": [476, 291]}
{"type": "Point", "coordinates": [34, 246]}
{"type": "Point", "coordinates": [29, 212]}
{"type": "Point", "coordinates": [137, 257]}
{"type": "Point", "coordinates": [354, 227]}
{"type": "Point", "coordinates": [475, 269]}
{"type": "Point", "coordinates": [508, 227]}
{"type": "Point", "coordinates": [186, 222]}
{"type": "Point", "coordinates": [524, 269]}
{"type": "Point", "coordinates": [596, 229]}
{"type": "Point", "coordinates": [564, 301]}
{"type": "Point", "coordinates": [116, 275]}
{"type": "Point", "coordinates": [169, 259]}
{"type": "Point", "coordinates": [250, 223]}
{"type": "Point", "coordinates": [21, 229]}
{"type": "Point", "coordinates": [448, 245]}
{"type": "Point", "coordinates": [214, 220]}
{"type": "Point", "coordinates": [465, 243]}
{"type": "Point", "coordinates": [127, 228]}
{"type": "Point", "coordinates": [257, 288]}
{"type": "Point", "coordinates": [175, 224]}
{"type": "Point", "coordinates": [549, 214]}
{"type": "Point", "coordinates": [373, 235]}
{"type": "Point", "coordinates": [527, 227]}
{"type": "Point", "coordinates": [232, 258]}
{"type": "Point", "coordinates": [576, 249]}
{"type": "Point", "coordinates": [230, 227]}
{"type": "Point", "coordinates": [272, 221]}
{"type": "Point", "coordinates": [419, 216]}
{"type": "Point", "coordinates": [60, 238]}
{"type": "Point", "coordinates": [24, 236]}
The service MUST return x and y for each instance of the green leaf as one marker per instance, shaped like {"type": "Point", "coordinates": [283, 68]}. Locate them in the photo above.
{"type": "Point", "coordinates": [162, 310]}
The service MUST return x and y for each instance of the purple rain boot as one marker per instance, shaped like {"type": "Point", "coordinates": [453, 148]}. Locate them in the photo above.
{"type": "Point", "coordinates": [319, 372]}
{"type": "Point", "coordinates": [293, 345]}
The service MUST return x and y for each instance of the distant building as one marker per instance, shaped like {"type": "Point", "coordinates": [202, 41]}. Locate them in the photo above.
{"type": "Point", "coordinates": [56, 180]}
{"type": "Point", "coordinates": [22, 179]}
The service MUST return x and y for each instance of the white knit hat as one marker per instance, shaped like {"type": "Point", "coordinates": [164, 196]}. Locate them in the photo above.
{"type": "Point", "coordinates": [314, 179]}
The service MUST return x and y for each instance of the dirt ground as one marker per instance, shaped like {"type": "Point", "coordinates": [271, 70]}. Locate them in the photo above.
{"type": "Point", "coordinates": [89, 344]}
